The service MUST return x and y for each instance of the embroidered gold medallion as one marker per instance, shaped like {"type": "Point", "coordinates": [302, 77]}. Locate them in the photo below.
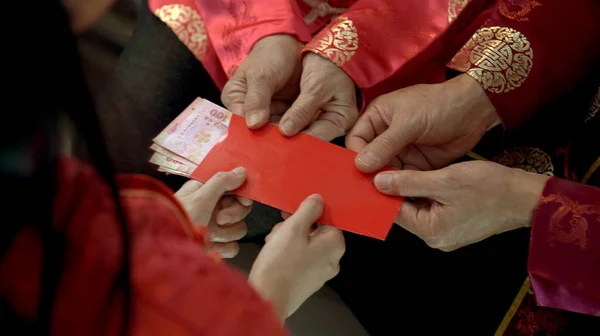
{"type": "Point", "coordinates": [499, 58]}
{"type": "Point", "coordinates": [186, 23]}
{"type": "Point", "coordinates": [594, 107]}
{"type": "Point", "coordinates": [339, 42]}
{"type": "Point", "coordinates": [455, 7]}
{"type": "Point", "coordinates": [530, 159]}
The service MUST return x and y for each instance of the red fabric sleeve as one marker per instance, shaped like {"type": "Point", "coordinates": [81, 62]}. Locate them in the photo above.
{"type": "Point", "coordinates": [234, 26]}
{"type": "Point", "coordinates": [384, 45]}
{"type": "Point", "coordinates": [564, 257]}
{"type": "Point", "coordinates": [222, 33]}
{"type": "Point", "coordinates": [530, 52]}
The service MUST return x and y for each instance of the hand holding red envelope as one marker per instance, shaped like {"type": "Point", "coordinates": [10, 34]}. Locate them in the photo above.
{"type": "Point", "coordinates": [206, 139]}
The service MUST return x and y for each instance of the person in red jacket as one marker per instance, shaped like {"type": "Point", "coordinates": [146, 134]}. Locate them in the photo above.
{"type": "Point", "coordinates": [87, 252]}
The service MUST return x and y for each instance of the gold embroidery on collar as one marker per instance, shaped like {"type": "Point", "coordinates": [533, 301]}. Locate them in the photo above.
{"type": "Point", "coordinates": [518, 9]}
{"type": "Point", "coordinates": [339, 43]}
{"type": "Point", "coordinates": [186, 23]}
{"type": "Point", "coordinates": [594, 107]}
{"type": "Point", "coordinates": [499, 58]}
{"type": "Point", "coordinates": [455, 7]}
{"type": "Point", "coordinates": [530, 159]}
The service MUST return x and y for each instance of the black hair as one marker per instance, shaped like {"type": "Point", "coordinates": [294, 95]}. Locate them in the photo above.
{"type": "Point", "coordinates": [50, 86]}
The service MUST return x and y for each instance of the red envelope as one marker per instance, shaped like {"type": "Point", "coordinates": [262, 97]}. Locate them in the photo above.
{"type": "Point", "coordinates": [283, 171]}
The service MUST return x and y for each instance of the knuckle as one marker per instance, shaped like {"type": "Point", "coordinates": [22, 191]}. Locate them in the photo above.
{"type": "Point", "coordinates": [386, 144]}
{"type": "Point", "coordinates": [333, 269]}
{"type": "Point", "coordinates": [302, 113]}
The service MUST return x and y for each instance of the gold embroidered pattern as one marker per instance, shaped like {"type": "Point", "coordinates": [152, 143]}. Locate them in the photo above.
{"type": "Point", "coordinates": [517, 9]}
{"type": "Point", "coordinates": [594, 107]}
{"type": "Point", "coordinates": [576, 228]}
{"type": "Point", "coordinates": [455, 7]}
{"type": "Point", "coordinates": [499, 58]}
{"type": "Point", "coordinates": [339, 43]}
{"type": "Point", "coordinates": [186, 23]}
{"type": "Point", "coordinates": [529, 159]}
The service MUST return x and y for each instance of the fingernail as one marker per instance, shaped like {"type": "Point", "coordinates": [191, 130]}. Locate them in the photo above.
{"type": "Point", "coordinates": [316, 197]}
{"type": "Point", "coordinates": [383, 181]}
{"type": "Point", "coordinates": [224, 219]}
{"type": "Point", "coordinates": [368, 159]}
{"type": "Point", "coordinates": [288, 127]}
{"type": "Point", "coordinates": [252, 120]}
{"type": "Point", "coordinates": [239, 170]}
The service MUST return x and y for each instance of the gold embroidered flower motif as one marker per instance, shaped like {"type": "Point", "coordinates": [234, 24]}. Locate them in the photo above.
{"type": "Point", "coordinates": [499, 58]}
{"type": "Point", "coordinates": [202, 137]}
{"type": "Point", "coordinates": [594, 107]}
{"type": "Point", "coordinates": [339, 43]}
{"type": "Point", "coordinates": [530, 159]}
{"type": "Point", "coordinates": [518, 9]}
{"type": "Point", "coordinates": [575, 230]}
{"type": "Point", "coordinates": [455, 7]}
{"type": "Point", "coordinates": [186, 23]}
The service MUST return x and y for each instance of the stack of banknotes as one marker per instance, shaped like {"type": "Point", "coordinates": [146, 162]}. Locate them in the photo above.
{"type": "Point", "coordinates": [182, 145]}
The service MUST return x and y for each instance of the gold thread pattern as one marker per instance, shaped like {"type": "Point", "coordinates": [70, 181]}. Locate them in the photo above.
{"type": "Point", "coordinates": [530, 159]}
{"type": "Point", "coordinates": [594, 107]}
{"type": "Point", "coordinates": [518, 9]}
{"type": "Point", "coordinates": [186, 23]}
{"type": "Point", "coordinates": [339, 43]}
{"type": "Point", "coordinates": [455, 7]}
{"type": "Point", "coordinates": [499, 58]}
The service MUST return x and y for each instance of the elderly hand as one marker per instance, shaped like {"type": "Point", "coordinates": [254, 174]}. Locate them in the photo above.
{"type": "Point", "coordinates": [267, 82]}
{"type": "Point", "coordinates": [326, 106]}
{"type": "Point", "coordinates": [463, 203]}
{"type": "Point", "coordinates": [423, 126]}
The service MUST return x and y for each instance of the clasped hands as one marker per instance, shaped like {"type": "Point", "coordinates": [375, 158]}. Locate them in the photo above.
{"type": "Point", "coordinates": [419, 129]}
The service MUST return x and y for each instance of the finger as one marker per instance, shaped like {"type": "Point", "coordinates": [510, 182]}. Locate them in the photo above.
{"type": "Point", "coordinates": [285, 215]}
{"type": "Point", "coordinates": [331, 239]}
{"type": "Point", "coordinates": [225, 234]}
{"type": "Point", "coordinates": [244, 201]}
{"type": "Point", "coordinates": [380, 151]}
{"type": "Point", "coordinates": [413, 218]}
{"type": "Point", "coordinates": [383, 148]}
{"type": "Point", "coordinates": [188, 188]}
{"type": "Point", "coordinates": [226, 250]}
{"type": "Point", "coordinates": [365, 130]}
{"type": "Point", "coordinates": [307, 214]}
{"type": "Point", "coordinates": [258, 100]}
{"type": "Point", "coordinates": [273, 231]}
{"type": "Point", "coordinates": [233, 213]}
{"type": "Point", "coordinates": [302, 112]}
{"type": "Point", "coordinates": [330, 125]}
{"type": "Point", "coordinates": [209, 195]}
{"type": "Point", "coordinates": [234, 95]}
{"type": "Point", "coordinates": [413, 183]}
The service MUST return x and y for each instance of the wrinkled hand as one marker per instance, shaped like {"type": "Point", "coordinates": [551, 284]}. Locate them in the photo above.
{"type": "Point", "coordinates": [267, 82]}
{"type": "Point", "coordinates": [457, 206]}
{"type": "Point", "coordinates": [423, 126]}
{"type": "Point", "coordinates": [223, 215]}
{"type": "Point", "coordinates": [326, 104]}
{"type": "Point", "coordinates": [297, 260]}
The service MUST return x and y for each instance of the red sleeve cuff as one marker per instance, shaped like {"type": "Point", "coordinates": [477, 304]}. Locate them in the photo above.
{"type": "Point", "coordinates": [565, 244]}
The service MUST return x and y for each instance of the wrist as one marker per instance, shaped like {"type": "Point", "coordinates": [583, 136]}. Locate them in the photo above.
{"type": "Point", "coordinates": [527, 187]}
{"type": "Point", "coordinates": [480, 108]}
{"type": "Point", "coordinates": [279, 40]}
{"type": "Point", "coordinates": [269, 293]}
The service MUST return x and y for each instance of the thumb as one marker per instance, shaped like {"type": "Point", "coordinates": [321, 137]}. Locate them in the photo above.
{"type": "Point", "coordinates": [414, 183]}
{"type": "Point", "coordinates": [257, 105]}
{"type": "Point", "coordinates": [210, 194]}
{"type": "Point", "coordinates": [300, 114]}
{"type": "Point", "coordinates": [301, 222]}
{"type": "Point", "coordinates": [380, 152]}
